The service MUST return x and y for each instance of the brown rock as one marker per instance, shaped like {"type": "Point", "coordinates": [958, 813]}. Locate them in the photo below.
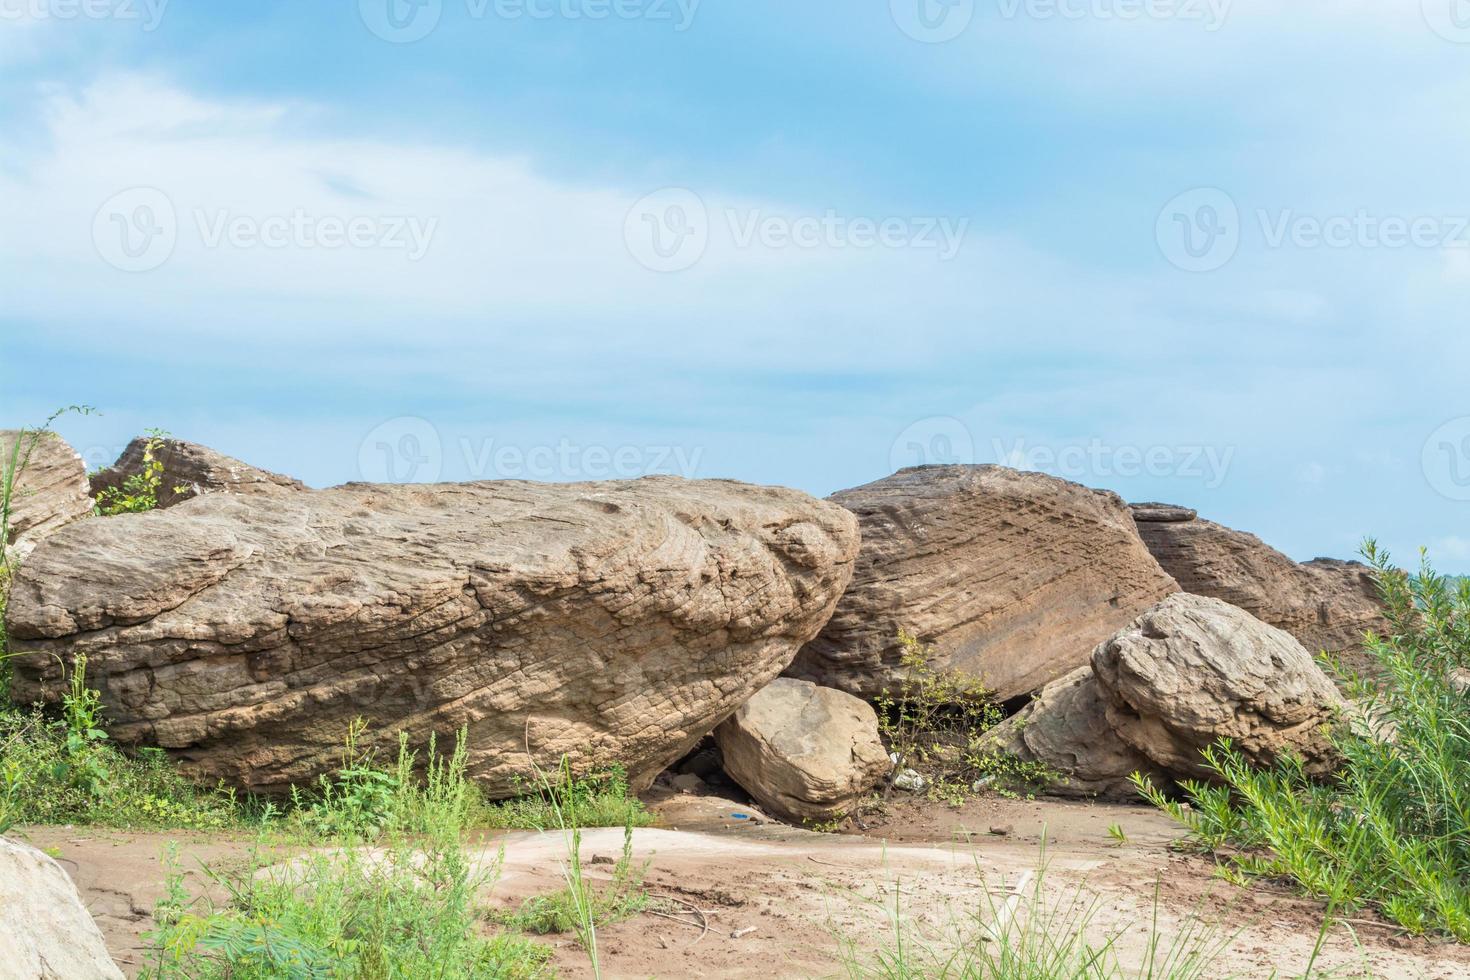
{"type": "Point", "coordinates": [610, 622]}
{"type": "Point", "coordinates": [190, 470]}
{"type": "Point", "coordinates": [1325, 604]}
{"type": "Point", "coordinates": [804, 752]}
{"type": "Point", "coordinates": [1193, 670]}
{"type": "Point", "coordinates": [1066, 728]}
{"type": "Point", "coordinates": [51, 490]}
{"type": "Point", "coordinates": [1011, 576]}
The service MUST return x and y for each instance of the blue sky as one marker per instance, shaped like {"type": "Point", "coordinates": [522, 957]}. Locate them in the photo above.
{"type": "Point", "coordinates": [1209, 252]}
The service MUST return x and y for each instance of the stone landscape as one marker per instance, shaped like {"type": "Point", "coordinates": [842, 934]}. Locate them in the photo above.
{"type": "Point", "coordinates": [722, 643]}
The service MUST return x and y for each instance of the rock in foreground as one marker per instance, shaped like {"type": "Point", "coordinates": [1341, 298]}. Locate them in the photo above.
{"type": "Point", "coordinates": [1185, 674]}
{"type": "Point", "coordinates": [51, 490]}
{"type": "Point", "coordinates": [804, 752]}
{"type": "Point", "coordinates": [1013, 577]}
{"type": "Point", "coordinates": [610, 622]}
{"type": "Point", "coordinates": [1325, 604]}
{"type": "Point", "coordinates": [47, 932]}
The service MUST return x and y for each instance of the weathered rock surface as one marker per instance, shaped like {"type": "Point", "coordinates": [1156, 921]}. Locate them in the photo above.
{"type": "Point", "coordinates": [1183, 675]}
{"type": "Point", "coordinates": [189, 470]}
{"type": "Point", "coordinates": [50, 492]}
{"type": "Point", "coordinates": [804, 752]}
{"type": "Point", "coordinates": [1325, 604]}
{"type": "Point", "coordinates": [610, 622]}
{"type": "Point", "coordinates": [1193, 670]}
{"type": "Point", "coordinates": [1066, 728]}
{"type": "Point", "coordinates": [45, 931]}
{"type": "Point", "coordinates": [1013, 577]}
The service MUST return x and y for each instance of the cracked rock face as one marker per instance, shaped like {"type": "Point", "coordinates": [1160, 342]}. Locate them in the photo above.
{"type": "Point", "coordinates": [50, 492]}
{"type": "Point", "coordinates": [1011, 576]}
{"type": "Point", "coordinates": [1325, 604]}
{"type": "Point", "coordinates": [804, 752]}
{"type": "Point", "coordinates": [610, 622]}
{"type": "Point", "coordinates": [1186, 673]}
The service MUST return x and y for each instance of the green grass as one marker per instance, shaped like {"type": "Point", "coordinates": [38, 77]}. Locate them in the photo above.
{"type": "Point", "coordinates": [569, 910]}
{"type": "Point", "coordinates": [64, 770]}
{"type": "Point", "coordinates": [373, 893]}
{"type": "Point", "coordinates": [1391, 830]}
{"type": "Point", "coordinates": [600, 799]}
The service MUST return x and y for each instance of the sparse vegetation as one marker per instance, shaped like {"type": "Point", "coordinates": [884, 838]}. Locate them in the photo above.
{"type": "Point", "coordinates": [66, 770]}
{"type": "Point", "coordinates": [1021, 933]}
{"type": "Point", "coordinates": [1392, 830]}
{"type": "Point", "coordinates": [620, 897]}
{"type": "Point", "coordinates": [395, 895]}
{"type": "Point", "coordinates": [934, 722]}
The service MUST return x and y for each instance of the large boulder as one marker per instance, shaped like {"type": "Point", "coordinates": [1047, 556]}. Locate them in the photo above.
{"type": "Point", "coordinates": [187, 470]}
{"type": "Point", "coordinates": [1185, 674]}
{"type": "Point", "coordinates": [51, 490]}
{"type": "Point", "coordinates": [1325, 604]}
{"type": "Point", "coordinates": [804, 752]}
{"type": "Point", "coordinates": [1193, 670]}
{"type": "Point", "coordinates": [608, 622]}
{"type": "Point", "coordinates": [48, 934]}
{"type": "Point", "coordinates": [1013, 577]}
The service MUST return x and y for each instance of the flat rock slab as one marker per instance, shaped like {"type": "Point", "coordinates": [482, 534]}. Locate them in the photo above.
{"type": "Point", "coordinates": [45, 930]}
{"type": "Point", "coordinates": [608, 622]}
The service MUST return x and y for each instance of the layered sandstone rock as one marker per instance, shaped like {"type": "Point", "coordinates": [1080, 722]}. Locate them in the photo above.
{"type": "Point", "coordinates": [45, 930]}
{"type": "Point", "coordinates": [804, 752]}
{"type": "Point", "coordinates": [1185, 674]}
{"type": "Point", "coordinates": [608, 622]}
{"type": "Point", "coordinates": [50, 491]}
{"type": "Point", "coordinates": [188, 470]}
{"type": "Point", "coordinates": [1011, 576]}
{"type": "Point", "coordinates": [1325, 604]}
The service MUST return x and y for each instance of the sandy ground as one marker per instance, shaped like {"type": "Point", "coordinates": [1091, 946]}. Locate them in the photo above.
{"type": "Point", "coordinates": [776, 901]}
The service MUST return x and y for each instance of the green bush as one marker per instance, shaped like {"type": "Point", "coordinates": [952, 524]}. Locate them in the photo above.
{"type": "Point", "coordinates": [138, 492]}
{"type": "Point", "coordinates": [599, 799]}
{"type": "Point", "coordinates": [406, 906]}
{"type": "Point", "coordinates": [66, 770]}
{"type": "Point", "coordinates": [1391, 831]}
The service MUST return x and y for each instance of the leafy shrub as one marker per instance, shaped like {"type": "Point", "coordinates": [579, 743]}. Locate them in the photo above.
{"type": "Point", "coordinates": [139, 492]}
{"type": "Point", "coordinates": [1392, 829]}
{"type": "Point", "coordinates": [933, 722]}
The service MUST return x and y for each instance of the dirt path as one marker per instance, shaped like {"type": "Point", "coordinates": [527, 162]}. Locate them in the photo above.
{"type": "Point", "coordinates": [792, 897]}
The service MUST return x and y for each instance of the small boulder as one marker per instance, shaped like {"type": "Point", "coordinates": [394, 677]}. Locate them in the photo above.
{"type": "Point", "coordinates": [47, 932]}
{"type": "Point", "coordinates": [51, 490]}
{"type": "Point", "coordinates": [190, 470]}
{"type": "Point", "coordinates": [1012, 577]}
{"type": "Point", "coordinates": [1193, 670]}
{"type": "Point", "coordinates": [804, 752]}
